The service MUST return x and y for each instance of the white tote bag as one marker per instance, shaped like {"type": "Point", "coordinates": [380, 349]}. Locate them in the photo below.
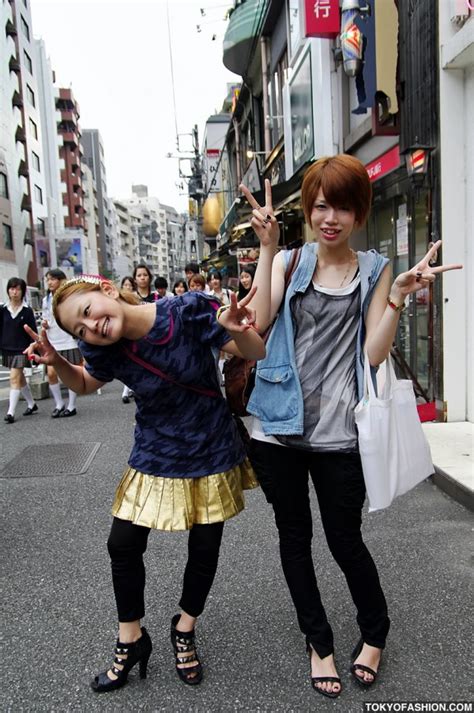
{"type": "Point", "coordinates": [394, 451]}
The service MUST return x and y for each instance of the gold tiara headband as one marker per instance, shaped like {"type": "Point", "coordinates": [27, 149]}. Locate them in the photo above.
{"type": "Point", "coordinates": [87, 279]}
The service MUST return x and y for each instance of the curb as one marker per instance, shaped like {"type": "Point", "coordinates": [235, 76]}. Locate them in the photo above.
{"type": "Point", "coordinates": [453, 488]}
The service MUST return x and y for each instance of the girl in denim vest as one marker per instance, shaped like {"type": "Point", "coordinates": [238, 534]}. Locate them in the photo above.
{"type": "Point", "coordinates": [338, 304]}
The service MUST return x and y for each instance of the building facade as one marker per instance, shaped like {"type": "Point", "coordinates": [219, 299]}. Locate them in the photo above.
{"type": "Point", "coordinates": [94, 157]}
{"type": "Point", "coordinates": [364, 79]}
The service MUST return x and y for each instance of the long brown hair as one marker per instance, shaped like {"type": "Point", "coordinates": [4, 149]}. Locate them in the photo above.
{"type": "Point", "coordinates": [85, 283]}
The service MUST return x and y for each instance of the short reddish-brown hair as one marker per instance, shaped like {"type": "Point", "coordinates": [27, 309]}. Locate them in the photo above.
{"type": "Point", "coordinates": [197, 280]}
{"type": "Point", "coordinates": [345, 183]}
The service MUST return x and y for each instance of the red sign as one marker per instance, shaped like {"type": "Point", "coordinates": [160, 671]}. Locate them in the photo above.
{"type": "Point", "coordinates": [384, 164]}
{"type": "Point", "coordinates": [213, 152]}
{"type": "Point", "coordinates": [322, 18]}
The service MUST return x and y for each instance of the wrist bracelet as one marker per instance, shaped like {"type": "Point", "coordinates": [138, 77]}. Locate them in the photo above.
{"type": "Point", "coordinates": [396, 308]}
{"type": "Point", "coordinates": [220, 310]}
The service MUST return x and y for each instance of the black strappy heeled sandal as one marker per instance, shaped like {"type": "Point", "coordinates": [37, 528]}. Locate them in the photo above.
{"type": "Point", "coordinates": [323, 679]}
{"type": "Point", "coordinates": [361, 667]}
{"type": "Point", "coordinates": [126, 655]}
{"type": "Point", "coordinates": [183, 642]}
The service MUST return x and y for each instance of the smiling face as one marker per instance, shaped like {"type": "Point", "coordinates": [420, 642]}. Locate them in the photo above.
{"type": "Point", "coordinates": [179, 289]}
{"type": "Point", "coordinates": [246, 280]}
{"type": "Point", "coordinates": [331, 226]}
{"type": "Point", "coordinates": [96, 316]}
{"type": "Point", "coordinates": [215, 283]}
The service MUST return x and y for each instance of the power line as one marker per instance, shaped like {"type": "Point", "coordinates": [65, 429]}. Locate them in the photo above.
{"type": "Point", "coordinates": [172, 73]}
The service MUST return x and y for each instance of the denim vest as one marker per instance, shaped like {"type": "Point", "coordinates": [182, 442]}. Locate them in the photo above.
{"type": "Point", "coordinates": [277, 399]}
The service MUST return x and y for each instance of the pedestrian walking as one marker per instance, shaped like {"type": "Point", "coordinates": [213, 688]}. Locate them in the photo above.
{"type": "Point", "coordinates": [338, 304]}
{"type": "Point", "coordinates": [180, 287]}
{"type": "Point", "coordinates": [197, 283]}
{"type": "Point", "coordinates": [143, 277]}
{"type": "Point", "coordinates": [163, 352]}
{"type": "Point", "coordinates": [128, 283]}
{"type": "Point", "coordinates": [64, 344]}
{"type": "Point", "coordinates": [161, 287]}
{"type": "Point", "coordinates": [14, 315]}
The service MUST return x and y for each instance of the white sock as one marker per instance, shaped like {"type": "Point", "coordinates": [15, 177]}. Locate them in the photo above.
{"type": "Point", "coordinates": [26, 391]}
{"type": "Point", "coordinates": [72, 400]}
{"type": "Point", "coordinates": [56, 391]}
{"type": "Point", "coordinates": [13, 403]}
{"type": "Point", "coordinates": [125, 391]}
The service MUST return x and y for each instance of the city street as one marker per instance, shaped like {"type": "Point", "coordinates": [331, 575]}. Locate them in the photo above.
{"type": "Point", "coordinates": [58, 617]}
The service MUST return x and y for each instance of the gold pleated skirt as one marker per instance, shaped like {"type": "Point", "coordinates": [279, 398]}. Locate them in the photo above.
{"type": "Point", "coordinates": [179, 503]}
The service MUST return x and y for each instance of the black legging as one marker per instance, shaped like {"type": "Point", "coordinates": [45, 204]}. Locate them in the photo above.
{"type": "Point", "coordinates": [127, 543]}
{"type": "Point", "coordinates": [339, 484]}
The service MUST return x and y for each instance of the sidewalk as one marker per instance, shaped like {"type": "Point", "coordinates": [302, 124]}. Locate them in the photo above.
{"type": "Point", "coordinates": [452, 451]}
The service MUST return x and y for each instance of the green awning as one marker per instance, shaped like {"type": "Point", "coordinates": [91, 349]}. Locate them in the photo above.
{"type": "Point", "coordinates": [245, 24]}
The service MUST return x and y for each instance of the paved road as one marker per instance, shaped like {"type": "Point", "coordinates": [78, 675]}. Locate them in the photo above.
{"type": "Point", "coordinates": [58, 616]}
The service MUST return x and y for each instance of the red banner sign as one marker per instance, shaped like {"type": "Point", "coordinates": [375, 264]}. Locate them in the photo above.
{"type": "Point", "coordinates": [322, 18]}
{"type": "Point", "coordinates": [384, 164]}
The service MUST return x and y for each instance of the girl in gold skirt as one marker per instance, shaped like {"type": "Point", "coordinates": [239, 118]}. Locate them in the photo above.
{"type": "Point", "coordinates": [188, 467]}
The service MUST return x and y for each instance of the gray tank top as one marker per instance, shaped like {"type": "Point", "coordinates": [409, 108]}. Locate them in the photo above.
{"type": "Point", "coordinates": [325, 324]}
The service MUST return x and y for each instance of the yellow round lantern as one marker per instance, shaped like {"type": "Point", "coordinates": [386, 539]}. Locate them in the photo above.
{"type": "Point", "coordinates": [211, 216]}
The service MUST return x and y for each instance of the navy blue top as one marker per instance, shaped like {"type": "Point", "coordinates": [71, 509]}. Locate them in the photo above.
{"type": "Point", "coordinates": [179, 433]}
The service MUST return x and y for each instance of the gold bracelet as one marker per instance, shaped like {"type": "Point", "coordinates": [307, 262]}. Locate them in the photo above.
{"type": "Point", "coordinates": [396, 308]}
{"type": "Point", "coordinates": [221, 309]}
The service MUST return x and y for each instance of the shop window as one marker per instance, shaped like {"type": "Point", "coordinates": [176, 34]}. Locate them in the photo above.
{"type": "Point", "coordinates": [7, 236]}
{"type": "Point", "coordinates": [3, 185]}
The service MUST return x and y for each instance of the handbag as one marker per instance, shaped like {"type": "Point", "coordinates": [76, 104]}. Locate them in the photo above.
{"type": "Point", "coordinates": [394, 450]}
{"type": "Point", "coordinates": [239, 373]}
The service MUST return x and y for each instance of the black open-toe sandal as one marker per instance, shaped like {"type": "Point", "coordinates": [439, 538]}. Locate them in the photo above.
{"type": "Point", "coordinates": [183, 642]}
{"type": "Point", "coordinates": [361, 667]}
{"type": "Point", "coordinates": [126, 655]}
{"type": "Point", "coordinates": [324, 679]}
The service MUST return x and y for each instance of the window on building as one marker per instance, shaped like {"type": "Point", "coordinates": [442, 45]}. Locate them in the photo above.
{"type": "Point", "coordinates": [3, 185]}
{"type": "Point", "coordinates": [28, 62]}
{"type": "Point", "coordinates": [35, 160]}
{"type": "Point", "coordinates": [276, 98]}
{"type": "Point", "coordinates": [33, 129]}
{"type": "Point", "coordinates": [38, 195]}
{"type": "Point", "coordinates": [31, 95]}
{"type": "Point", "coordinates": [7, 236]}
{"type": "Point", "coordinates": [25, 28]}
{"type": "Point", "coordinates": [41, 227]}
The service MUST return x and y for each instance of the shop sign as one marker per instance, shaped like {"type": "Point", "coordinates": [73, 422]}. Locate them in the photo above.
{"type": "Point", "coordinates": [384, 164]}
{"type": "Point", "coordinates": [402, 230]}
{"type": "Point", "coordinates": [322, 18]}
{"type": "Point", "coordinates": [301, 102]}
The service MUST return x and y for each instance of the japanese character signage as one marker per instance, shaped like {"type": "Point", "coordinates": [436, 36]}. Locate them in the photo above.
{"type": "Point", "coordinates": [384, 164]}
{"type": "Point", "coordinates": [322, 18]}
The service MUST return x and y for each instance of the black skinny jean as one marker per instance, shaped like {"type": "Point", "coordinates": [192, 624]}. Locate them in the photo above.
{"type": "Point", "coordinates": [127, 544]}
{"type": "Point", "coordinates": [340, 489]}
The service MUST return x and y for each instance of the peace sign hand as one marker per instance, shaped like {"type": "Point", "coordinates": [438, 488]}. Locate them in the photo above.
{"type": "Point", "coordinates": [237, 317]}
{"type": "Point", "coordinates": [263, 221]}
{"type": "Point", "coordinates": [422, 274]}
{"type": "Point", "coordinates": [40, 350]}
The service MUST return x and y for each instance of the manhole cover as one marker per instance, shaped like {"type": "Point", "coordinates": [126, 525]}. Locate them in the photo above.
{"type": "Point", "coordinates": [50, 460]}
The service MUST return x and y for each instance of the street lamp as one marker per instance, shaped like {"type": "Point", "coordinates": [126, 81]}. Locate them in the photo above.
{"type": "Point", "coordinates": [251, 153]}
{"type": "Point", "coordinates": [417, 161]}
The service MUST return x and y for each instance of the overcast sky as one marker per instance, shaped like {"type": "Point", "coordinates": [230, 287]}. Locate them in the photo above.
{"type": "Point", "coordinates": [115, 56]}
